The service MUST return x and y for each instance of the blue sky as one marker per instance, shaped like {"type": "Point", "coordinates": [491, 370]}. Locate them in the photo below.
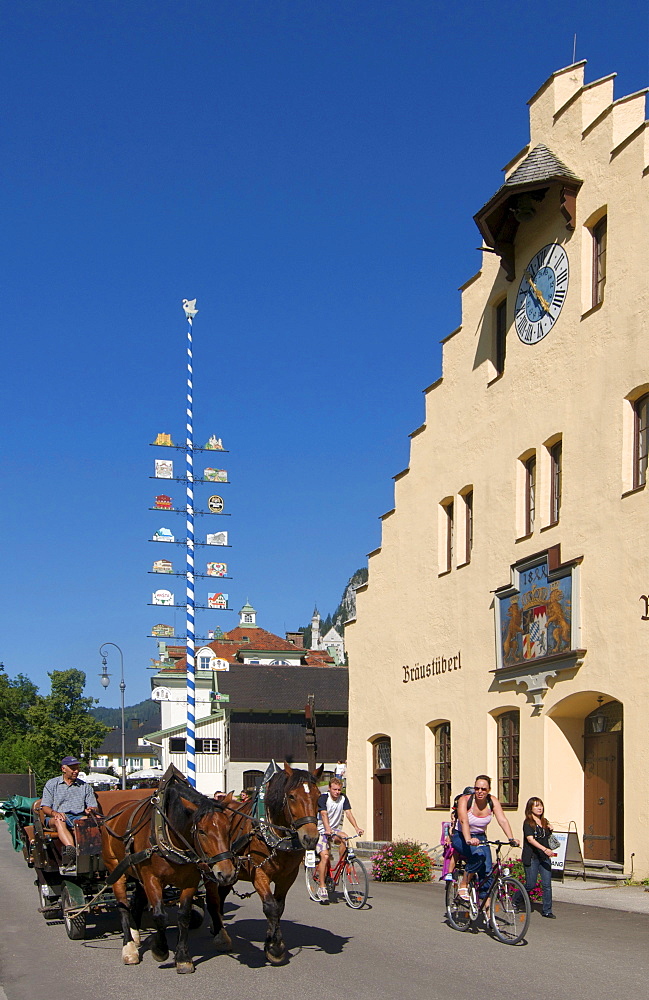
{"type": "Point", "coordinates": [307, 170]}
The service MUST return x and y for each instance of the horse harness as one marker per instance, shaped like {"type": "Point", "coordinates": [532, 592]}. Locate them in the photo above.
{"type": "Point", "coordinates": [285, 839]}
{"type": "Point", "coordinates": [161, 826]}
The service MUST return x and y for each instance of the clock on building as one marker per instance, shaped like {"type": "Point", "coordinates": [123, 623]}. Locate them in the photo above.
{"type": "Point", "coordinates": [541, 293]}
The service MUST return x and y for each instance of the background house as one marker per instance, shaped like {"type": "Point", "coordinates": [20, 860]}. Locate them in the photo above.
{"type": "Point", "coordinates": [252, 687]}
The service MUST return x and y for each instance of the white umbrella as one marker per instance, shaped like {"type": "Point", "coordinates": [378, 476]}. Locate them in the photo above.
{"type": "Point", "coordinates": [145, 772]}
{"type": "Point", "coordinates": [95, 778]}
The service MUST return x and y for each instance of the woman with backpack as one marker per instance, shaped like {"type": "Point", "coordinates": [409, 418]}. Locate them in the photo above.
{"type": "Point", "coordinates": [470, 840]}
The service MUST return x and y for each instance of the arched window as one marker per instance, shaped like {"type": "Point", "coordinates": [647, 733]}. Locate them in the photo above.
{"type": "Point", "coordinates": [530, 494]}
{"type": "Point", "coordinates": [383, 755]}
{"type": "Point", "coordinates": [599, 260]}
{"type": "Point", "coordinates": [640, 440]}
{"type": "Point", "coordinates": [508, 757]}
{"type": "Point", "coordinates": [443, 765]}
{"type": "Point", "coordinates": [556, 480]}
{"type": "Point", "coordinates": [500, 335]}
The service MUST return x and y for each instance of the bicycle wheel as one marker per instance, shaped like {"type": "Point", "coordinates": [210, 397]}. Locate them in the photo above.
{"type": "Point", "coordinates": [312, 883]}
{"type": "Point", "coordinates": [509, 915]}
{"type": "Point", "coordinates": [355, 884]}
{"type": "Point", "coordinates": [457, 909]}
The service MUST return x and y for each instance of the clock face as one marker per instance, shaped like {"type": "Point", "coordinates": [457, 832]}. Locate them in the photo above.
{"type": "Point", "coordinates": [541, 293]}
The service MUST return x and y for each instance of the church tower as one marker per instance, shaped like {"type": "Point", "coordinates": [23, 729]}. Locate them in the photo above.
{"type": "Point", "coordinates": [315, 629]}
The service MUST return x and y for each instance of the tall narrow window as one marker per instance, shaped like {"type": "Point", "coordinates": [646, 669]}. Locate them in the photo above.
{"type": "Point", "coordinates": [383, 755]}
{"type": "Point", "coordinates": [468, 514]}
{"type": "Point", "coordinates": [500, 331]}
{"type": "Point", "coordinates": [443, 766]}
{"type": "Point", "coordinates": [449, 510]}
{"type": "Point", "coordinates": [530, 494]}
{"type": "Point", "coordinates": [599, 260]}
{"type": "Point", "coordinates": [556, 458]}
{"type": "Point", "coordinates": [508, 758]}
{"type": "Point", "coordinates": [641, 441]}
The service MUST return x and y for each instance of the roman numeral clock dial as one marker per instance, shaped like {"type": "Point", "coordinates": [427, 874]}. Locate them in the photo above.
{"type": "Point", "coordinates": [541, 293]}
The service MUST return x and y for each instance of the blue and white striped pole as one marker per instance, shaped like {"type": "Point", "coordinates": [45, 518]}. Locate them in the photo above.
{"type": "Point", "coordinates": [190, 312]}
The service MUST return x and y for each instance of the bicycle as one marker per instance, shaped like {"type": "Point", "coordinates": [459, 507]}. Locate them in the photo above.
{"type": "Point", "coordinates": [509, 903]}
{"type": "Point", "coordinates": [349, 871]}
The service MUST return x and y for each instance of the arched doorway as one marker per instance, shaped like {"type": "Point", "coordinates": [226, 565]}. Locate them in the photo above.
{"type": "Point", "coordinates": [603, 783]}
{"type": "Point", "coordinates": [382, 788]}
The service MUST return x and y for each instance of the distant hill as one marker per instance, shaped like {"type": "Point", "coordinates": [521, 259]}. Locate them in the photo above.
{"type": "Point", "coordinates": [146, 711]}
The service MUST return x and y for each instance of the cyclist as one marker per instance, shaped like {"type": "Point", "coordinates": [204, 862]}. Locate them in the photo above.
{"type": "Point", "coordinates": [470, 840]}
{"type": "Point", "coordinates": [332, 806]}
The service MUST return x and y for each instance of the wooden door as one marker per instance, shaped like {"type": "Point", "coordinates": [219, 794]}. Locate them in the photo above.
{"type": "Point", "coordinates": [383, 806]}
{"type": "Point", "coordinates": [603, 797]}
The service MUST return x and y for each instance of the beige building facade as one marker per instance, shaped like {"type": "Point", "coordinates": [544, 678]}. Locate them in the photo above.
{"type": "Point", "coordinates": [514, 567]}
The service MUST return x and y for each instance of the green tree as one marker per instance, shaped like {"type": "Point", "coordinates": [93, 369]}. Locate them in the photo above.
{"type": "Point", "coordinates": [60, 723]}
{"type": "Point", "coordinates": [16, 698]}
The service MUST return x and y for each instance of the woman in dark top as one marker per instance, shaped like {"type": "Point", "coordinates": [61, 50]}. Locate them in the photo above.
{"type": "Point", "coordinates": [536, 852]}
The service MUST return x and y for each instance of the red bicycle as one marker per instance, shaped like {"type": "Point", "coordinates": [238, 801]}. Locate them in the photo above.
{"type": "Point", "coordinates": [349, 871]}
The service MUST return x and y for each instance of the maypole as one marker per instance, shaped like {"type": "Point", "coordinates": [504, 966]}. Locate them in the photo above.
{"type": "Point", "coordinates": [190, 309]}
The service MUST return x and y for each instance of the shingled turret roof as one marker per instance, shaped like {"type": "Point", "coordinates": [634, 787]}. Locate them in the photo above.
{"type": "Point", "coordinates": [540, 165]}
{"type": "Point", "coordinates": [514, 201]}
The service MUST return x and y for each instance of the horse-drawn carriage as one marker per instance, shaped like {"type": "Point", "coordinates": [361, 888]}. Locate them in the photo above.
{"type": "Point", "coordinates": [143, 846]}
{"type": "Point", "coordinates": [70, 891]}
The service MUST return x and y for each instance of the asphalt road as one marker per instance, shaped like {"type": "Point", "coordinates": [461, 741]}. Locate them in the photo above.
{"type": "Point", "coordinates": [398, 946]}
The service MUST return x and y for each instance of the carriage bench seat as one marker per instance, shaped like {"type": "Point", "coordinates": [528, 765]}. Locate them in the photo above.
{"type": "Point", "coordinates": [41, 820]}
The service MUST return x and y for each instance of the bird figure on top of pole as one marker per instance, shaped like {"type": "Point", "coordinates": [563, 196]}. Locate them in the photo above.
{"type": "Point", "coordinates": [189, 305]}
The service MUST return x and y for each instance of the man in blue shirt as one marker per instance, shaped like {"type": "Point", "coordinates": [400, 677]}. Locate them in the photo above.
{"type": "Point", "coordinates": [65, 799]}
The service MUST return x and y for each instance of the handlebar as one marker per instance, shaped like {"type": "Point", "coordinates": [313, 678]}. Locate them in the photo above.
{"type": "Point", "coordinates": [342, 836]}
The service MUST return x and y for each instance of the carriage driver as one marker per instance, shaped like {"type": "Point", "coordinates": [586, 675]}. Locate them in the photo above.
{"type": "Point", "coordinates": [65, 799]}
{"type": "Point", "coordinates": [332, 805]}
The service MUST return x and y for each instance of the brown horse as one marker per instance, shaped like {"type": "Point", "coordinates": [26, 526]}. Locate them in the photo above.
{"type": "Point", "coordinates": [291, 810]}
{"type": "Point", "coordinates": [171, 838]}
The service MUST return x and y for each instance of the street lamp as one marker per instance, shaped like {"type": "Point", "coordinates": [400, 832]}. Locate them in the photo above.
{"type": "Point", "coordinates": [105, 680]}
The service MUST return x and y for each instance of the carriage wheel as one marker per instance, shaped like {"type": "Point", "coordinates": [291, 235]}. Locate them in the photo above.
{"type": "Point", "coordinates": [75, 927]}
{"type": "Point", "coordinates": [47, 902]}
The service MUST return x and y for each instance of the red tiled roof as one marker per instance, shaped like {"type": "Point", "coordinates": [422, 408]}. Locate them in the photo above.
{"type": "Point", "coordinates": [319, 658]}
{"type": "Point", "coordinates": [259, 639]}
{"type": "Point", "coordinates": [231, 646]}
